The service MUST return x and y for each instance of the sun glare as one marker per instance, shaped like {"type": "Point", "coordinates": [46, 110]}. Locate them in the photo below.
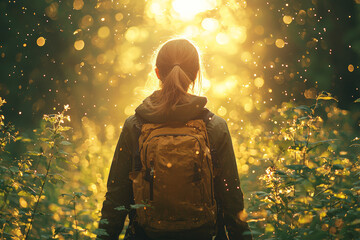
{"type": "Point", "coordinates": [187, 9]}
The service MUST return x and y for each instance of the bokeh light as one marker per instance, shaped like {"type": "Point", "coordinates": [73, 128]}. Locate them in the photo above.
{"type": "Point", "coordinates": [279, 43]}
{"type": "Point", "coordinates": [79, 45]}
{"type": "Point", "coordinates": [258, 58]}
{"type": "Point", "coordinates": [187, 9]}
{"type": "Point", "coordinates": [40, 41]}
{"type": "Point", "coordinates": [351, 68]}
{"type": "Point", "coordinates": [103, 32]}
{"type": "Point", "coordinates": [78, 4]}
{"type": "Point", "coordinates": [287, 19]}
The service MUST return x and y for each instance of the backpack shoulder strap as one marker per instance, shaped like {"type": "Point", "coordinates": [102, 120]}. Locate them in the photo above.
{"type": "Point", "coordinates": [136, 162]}
{"type": "Point", "coordinates": [207, 115]}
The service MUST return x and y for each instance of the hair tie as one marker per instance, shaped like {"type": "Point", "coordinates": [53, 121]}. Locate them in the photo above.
{"type": "Point", "coordinates": [177, 64]}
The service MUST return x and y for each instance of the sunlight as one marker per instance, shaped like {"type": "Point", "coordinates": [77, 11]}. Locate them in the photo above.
{"type": "Point", "coordinates": [187, 9]}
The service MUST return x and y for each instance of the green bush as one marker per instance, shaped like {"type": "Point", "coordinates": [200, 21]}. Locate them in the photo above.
{"type": "Point", "coordinates": [310, 186]}
{"type": "Point", "coordinates": [306, 158]}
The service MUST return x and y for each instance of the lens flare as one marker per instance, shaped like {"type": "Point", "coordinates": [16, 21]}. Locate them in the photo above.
{"type": "Point", "coordinates": [187, 9]}
{"type": "Point", "coordinates": [210, 24]}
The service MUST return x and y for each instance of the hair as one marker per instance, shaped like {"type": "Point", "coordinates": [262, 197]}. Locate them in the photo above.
{"type": "Point", "coordinates": [178, 63]}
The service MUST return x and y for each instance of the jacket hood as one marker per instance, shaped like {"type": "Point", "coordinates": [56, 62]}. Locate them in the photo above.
{"type": "Point", "coordinates": [182, 112]}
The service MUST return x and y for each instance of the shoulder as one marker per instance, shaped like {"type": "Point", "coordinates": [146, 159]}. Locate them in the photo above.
{"type": "Point", "coordinates": [218, 131]}
{"type": "Point", "coordinates": [217, 123]}
{"type": "Point", "coordinates": [131, 123]}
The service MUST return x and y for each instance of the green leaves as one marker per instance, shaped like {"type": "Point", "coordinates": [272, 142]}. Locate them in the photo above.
{"type": "Point", "coordinates": [310, 190]}
{"type": "Point", "coordinates": [66, 143]}
{"type": "Point", "coordinates": [26, 178]}
{"type": "Point", "coordinates": [325, 96]}
{"type": "Point", "coordinates": [304, 108]}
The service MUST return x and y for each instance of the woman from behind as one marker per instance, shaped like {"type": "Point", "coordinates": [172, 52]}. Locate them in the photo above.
{"type": "Point", "coordinates": [177, 67]}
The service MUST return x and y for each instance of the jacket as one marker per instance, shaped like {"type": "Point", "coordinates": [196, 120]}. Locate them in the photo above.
{"type": "Point", "coordinates": [228, 193]}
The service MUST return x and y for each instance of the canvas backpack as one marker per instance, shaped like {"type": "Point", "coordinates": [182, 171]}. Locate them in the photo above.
{"type": "Point", "coordinates": [174, 190]}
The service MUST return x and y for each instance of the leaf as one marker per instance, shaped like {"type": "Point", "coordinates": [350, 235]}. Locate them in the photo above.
{"type": "Point", "coordinates": [34, 153]}
{"type": "Point", "coordinates": [121, 208]}
{"type": "Point", "coordinates": [318, 143]}
{"type": "Point", "coordinates": [261, 193]}
{"type": "Point", "coordinates": [326, 96]}
{"type": "Point", "coordinates": [297, 167]}
{"type": "Point", "coordinates": [78, 194]}
{"type": "Point", "coordinates": [303, 108]}
{"type": "Point", "coordinates": [103, 221]}
{"type": "Point", "coordinates": [66, 129]}
{"type": "Point", "coordinates": [296, 147]}
{"type": "Point", "coordinates": [101, 232]}
{"type": "Point", "coordinates": [355, 145]}
{"type": "Point", "coordinates": [338, 166]}
{"type": "Point", "coordinates": [66, 143]}
{"type": "Point", "coordinates": [63, 152]}
{"type": "Point", "coordinates": [61, 229]}
{"type": "Point", "coordinates": [136, 206]}
{"type": "Point", "coordinates": [65, 195]}
{"type": "Point", "coordinates": [14, 169]}
{"type": "Point", "coordinates": [279, 172]}
{"type": "Point", "coordinates": [303, 118]}
{"type": "Point", "coordinates": [31, 191]}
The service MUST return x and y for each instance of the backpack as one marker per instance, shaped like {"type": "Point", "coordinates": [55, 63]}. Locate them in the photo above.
{"type": "Point", "coordinates": [174, 190]}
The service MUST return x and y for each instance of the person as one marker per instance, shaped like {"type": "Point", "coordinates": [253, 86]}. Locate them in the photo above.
{"type": "Point", "coordinates": [177, 67]}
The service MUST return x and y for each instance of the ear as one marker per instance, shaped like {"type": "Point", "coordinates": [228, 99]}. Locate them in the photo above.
{"type": "Point", "coordinates": [157, 73]}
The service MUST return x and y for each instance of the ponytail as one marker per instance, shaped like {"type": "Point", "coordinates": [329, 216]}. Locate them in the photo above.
{"type": "Point", "coordinates": [174, 90]}
{"type": "Point", "coordinates": [178, 65]}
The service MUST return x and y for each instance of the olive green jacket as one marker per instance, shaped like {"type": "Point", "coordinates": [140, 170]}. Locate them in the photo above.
{"type": "Point", "coordinates": [228, 193]}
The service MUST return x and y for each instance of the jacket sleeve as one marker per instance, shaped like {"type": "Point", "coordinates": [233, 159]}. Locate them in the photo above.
{"type": "Point", "coordinates": [118, 189]}
{"type": "Point", "coordinates": [227, 184]}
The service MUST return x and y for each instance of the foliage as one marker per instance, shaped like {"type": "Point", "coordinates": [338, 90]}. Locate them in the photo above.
{"type": "Point", "coordinates": [96, 55]}
{"type": "Point", "coordinates": [42, 193]}
{"type": "Point", "coordinates": [309, 174]}
{"type": "Point", "coordinates": [311, 184]}
{"type": "Point", "coordinates": [24, 179]}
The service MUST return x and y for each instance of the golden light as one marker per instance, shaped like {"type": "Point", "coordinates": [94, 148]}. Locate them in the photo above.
{"type": "Point", "coordinates": [259, 82]}
{"type": "Point", "coordinates": [23, 203]}
{"type": "Point", "coordinates": [279, 43]}
{"type": "Point", "coordinates": [206, 84]}
{"type": "Point", "coordinates": [351, 68]}
{"type": "Point", "coordinates": [222, 111]}
{"type": "Point", "coordinates": [86, 21]}
{"type": "Point", "coordinates": [119, 17]}
{"type": "Point", "coordinates": [259, 30]}
{"type": "Point", "coordinates": [191, 31]}
{"type": "Point", "coordinates": [104, 32]}
{"type": "Point", "coordinates": [222, 38]}
{"type": "Point", "coordinates": [238, 33]}
{"type": "Point", "coordinates": [40, 41]}
{"type": "Point", "coordinates": [246, 56]}
{"type": "Point", "coordinates": [248, 107]}
{"type": "Point", "coordinates": [227, 86]}
{"type": "Point", "coordinates": [78, 4]}
{"type": "Point", "coordinates": [187, 9]}
{"type": "Point", "coordinates": [210, 24]}
{"type": "Point", "coordinates": [156, 8]}
{"type": "Point", "coordinates": [287, 19]}
{"type": "Point", "coordinates": [79, 45]}
{"type": "Point", "coordinates": [132, 34]}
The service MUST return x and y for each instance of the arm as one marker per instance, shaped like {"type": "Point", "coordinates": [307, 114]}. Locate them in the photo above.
{"type": "Point", "coordinates": [118, 189]}
{"type": "Point", "coordinates": [227, 183]}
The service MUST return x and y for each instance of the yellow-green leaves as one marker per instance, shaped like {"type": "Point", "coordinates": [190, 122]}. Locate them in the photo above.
{"type": "Point", "coordinates": [326, 96]}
